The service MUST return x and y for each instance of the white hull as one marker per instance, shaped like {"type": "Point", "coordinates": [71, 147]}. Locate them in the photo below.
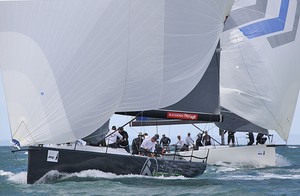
{"type": "Point", "coordinates": [255, 155]}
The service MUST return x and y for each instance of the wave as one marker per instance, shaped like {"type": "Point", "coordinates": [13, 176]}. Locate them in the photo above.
{"type": "Point", "coordinates": [282, 161]}
{"type": "Point", "coordinates": [86, 175]}
{"type": "Point", "coordinates": [4, 173]}
{"type": "Point", "coordinates": [54, 176]}
{"type": "Point", "coordinates": [226, 166]}
{"type": "Point", "coordinates": [18, 178]}
{"type": "Point", "coordinates": [260, 177]}
{"type": "Point", "coordinates": [293, 147]}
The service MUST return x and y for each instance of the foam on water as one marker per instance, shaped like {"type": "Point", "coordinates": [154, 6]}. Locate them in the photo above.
{"type": "Point", "coordinates": [267, 176]}
{"type": "Point", "coordinates": [54, 175]}
{"type": "Point", "coordinates": [108, 175]}
{"type": "Point", "coordinates": [293, 147]}
{"type": "Point", "coordinates": [4, 173]}
{"type": "Point", "coordinates": [260, 177]}
{"type": "Point", "coordinates": [281, 161]}
{"type": "Point", "coordinates": [229, 167]}
{"type": "Point", "coordinates": [282, 171]}
{"type": "Point", "coordinates": [226, 168]}
{"type": "Point", "coordinates": [18, 178]}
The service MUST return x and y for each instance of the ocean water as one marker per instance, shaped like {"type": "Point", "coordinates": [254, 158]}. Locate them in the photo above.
{"type": "Point", "coordinates": [225, 179]}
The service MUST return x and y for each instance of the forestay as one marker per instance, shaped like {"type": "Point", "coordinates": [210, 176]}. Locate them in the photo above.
{"type": "Point", "coordinates": [67, 66]}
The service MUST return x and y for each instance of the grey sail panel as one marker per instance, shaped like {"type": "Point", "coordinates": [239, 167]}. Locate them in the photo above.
{"type": "Point", "coordinates": [249, 13]}
{"type": "Point", "coordinates": [201, 104]}
{"type": "Point", "coordinates": [95, 137]}
{"type": "Point", "coordinates": [204, 98]}
{"type": "Point", "coordinates": [233, 122]}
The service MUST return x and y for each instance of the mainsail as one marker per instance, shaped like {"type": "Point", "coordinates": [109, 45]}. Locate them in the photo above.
{"type": "Point", "coordinates": [259, 63]}
{"type": "Point", "coordinates": [67, 66]}
{"type": "Point", "coordinates": [200, 105]}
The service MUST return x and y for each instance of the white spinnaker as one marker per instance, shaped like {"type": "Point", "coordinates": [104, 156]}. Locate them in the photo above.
{"type": "Point", "coordinates": [64, 66]}
{"type": "Point", "coordinates": [179, 48]}
{"type": "Point", "coordinates": [67, 66]}
{"type": "Point", "coordinates": [260, 78]}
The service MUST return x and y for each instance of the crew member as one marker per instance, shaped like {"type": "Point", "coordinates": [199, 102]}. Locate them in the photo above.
{"type": "Point", "coordinates": [148, 146]}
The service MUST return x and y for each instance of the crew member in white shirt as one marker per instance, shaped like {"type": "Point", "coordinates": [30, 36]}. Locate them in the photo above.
{"type": "Point", "coordinates": [112, 136]}
{"type": "Point", "coordinates": [179, 144]}
{"type": "Point", "coordinates": [148, 146]}
{"type": "Point", "coordinates": [188, 142]}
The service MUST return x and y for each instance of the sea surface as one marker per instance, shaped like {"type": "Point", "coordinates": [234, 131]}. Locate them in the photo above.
{"type": "Point", "coordinates": [225, 179]}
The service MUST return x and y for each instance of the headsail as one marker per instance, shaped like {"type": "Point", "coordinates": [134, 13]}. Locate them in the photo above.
{"type": "Point", "coordinates": [95, 138]}
{"type": "Point", "coordinates": [67, 66]}
{"type": "Point", "coordinates": [259, 63]}
{"type": "Point", "coordinates": [179, 49]}
{"type": "Point", "coordinates": [233, 122]}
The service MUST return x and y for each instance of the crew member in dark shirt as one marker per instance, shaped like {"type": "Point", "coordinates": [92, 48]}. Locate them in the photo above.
{"type": "Point", "coordinates": [123, 143]}
{"type": "Point", "coordinates": [136, 143]}
{"type": "Point", "coordinates": [165, 142]}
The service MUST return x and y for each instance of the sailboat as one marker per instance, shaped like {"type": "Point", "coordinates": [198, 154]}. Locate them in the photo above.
{"type": "Point", "coordinates": [259, 83]}
{"type": "Point", "coordinates": [68, 66]}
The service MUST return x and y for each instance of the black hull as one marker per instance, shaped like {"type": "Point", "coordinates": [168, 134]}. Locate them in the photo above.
{"type": "Point", "coordinates": [70, 161]}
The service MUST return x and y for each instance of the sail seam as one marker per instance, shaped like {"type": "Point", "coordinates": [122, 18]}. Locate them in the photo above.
{"type": "Point", "coordinates": [127, 58]}
{"type": "Point", "coordinates": [163, 55]}
{"type": "Point", "coordinates": [5, 96]}
{"type": "Point", "coordinates": [248, 73]}
{"type": "Point", "coordinates": [22, 122]}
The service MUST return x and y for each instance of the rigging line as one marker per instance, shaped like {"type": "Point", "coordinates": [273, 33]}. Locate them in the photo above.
{"type": "Point", "coordinates": [203, 132]}
{"type": "Point", "coordinates": [242, 57]}
{"type": "Point", "coordinates": [96, 135]}
{"type": "Point", "coordinates": [26, 128]}
{"type": "Point", "coordinates": [5, 96]}
{"type": "Point", "coordinates": [212, 128]}
{"type": "Point", "coordinates": [19, 162]}
{"type": "Point", "coordinates": [281, 152]}
{"type": "Point", "coordinates": [132, 119]}
{"type": "Point", "coordinates": [124, 125]}
{"type": "Point", "coordinates": [205, 125]}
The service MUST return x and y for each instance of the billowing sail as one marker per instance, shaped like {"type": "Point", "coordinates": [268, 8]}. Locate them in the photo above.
{"type": "Point", "coordinates": [233, 122]}
{"type": "Point", "coordinates": [205, 97]}
{"type": "Point", "coordinates": [95, 138]}
{"type": "Point", "coordinates": [179, 49]}
{"type": "Point", "coordinates": [259, 62]}
{"type": "Point", "coordinates": [202, 104]}
{"type": "Point", "coordinates": [67, 66]}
